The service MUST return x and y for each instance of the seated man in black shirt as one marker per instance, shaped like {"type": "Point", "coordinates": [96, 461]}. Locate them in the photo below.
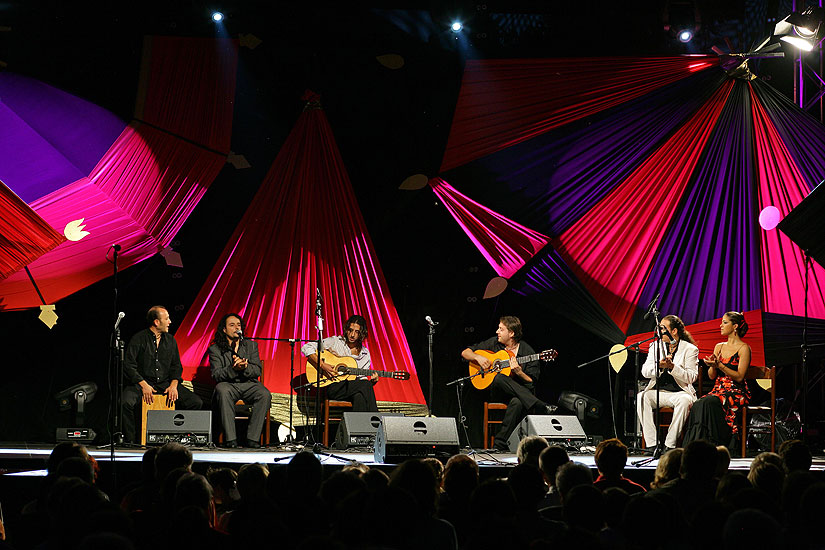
{"type": "Point", "coordinates": [236, 366]}
{"type": "Point", "coordinates": [518, 389]}
{"type": "Point", "coordinates": [152, 365]}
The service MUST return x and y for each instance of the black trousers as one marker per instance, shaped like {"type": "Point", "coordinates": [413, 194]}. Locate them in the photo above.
{"type": "Point", "coordinates": [359, 392]}
{"type": "Point", "coordinates": [253, 393]}
{"type": "Point", "coordinates": [520, 399]}
{"type": "Point", "coordinates": [132, 395]}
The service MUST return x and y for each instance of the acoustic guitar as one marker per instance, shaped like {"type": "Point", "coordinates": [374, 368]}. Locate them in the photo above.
{"type": "Point", "coordinates": [500, 364]}
{"type": "Point", "coordinates": [347, 370]}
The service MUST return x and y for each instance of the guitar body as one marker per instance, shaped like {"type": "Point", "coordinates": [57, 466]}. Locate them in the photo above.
{"type": "Point", "coordinates": [332, 359]}
{"type": "Point", "coordinates": [500, 364]}
{"type": "Point", "coordinates": [347, 370]}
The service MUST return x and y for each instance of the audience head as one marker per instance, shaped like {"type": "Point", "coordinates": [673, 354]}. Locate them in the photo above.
{"type": "Point", "coordinates": [417, 479]}
{"type": "Point", "coordinates": [584, 508]}
{"type": "Point", "coordinates": [767, 476]}
{"type": "Point", "coordinates": [78, 467]}
{"type": "Point", "coordinates": [796, 456]}
{"type": "Point", "coordinates": [722, 462]}
{"type": "Point", "coordinates": [303, 474]}
{"type": "Point", "coordinates": [358, 468]}
{"type": "Point", "coordinates": [147, 465]}
{"type": "Point", "coordinates": [224, 482]}
{"type": "Point", "coordinates": [571, 475]}
{"type": "Point", "coordinates": [65, 450]}
{"type": "Point", "coordinates": [668, 468]}
{"type": "Point", "coordinates": [460, 476]}
{"type": "Point", "coordinates": [194, 490]}
{"type": "Point", "coordinates": [699, 461]}
{"type": "Point", "coordinates": [611, 458]}
{"type": "Point", "coordinates": [530, 448]}
{"type": "Point", "coordinates": [730, 485]}
{"type": "Point", "coordinates": [171, 457]}
{"type": "Point", "coordinates": [496, 498]}
{"type": "Point", "coordinates": [550, 460]}
{"type": "Point", "coordinates": [437, 467]}
{"type": "Point", "coordinates": [528, 486]}
{"type": "Point", "coordinates": [252, 482]}
{"type": "Point", "coordinates": [376, 480]}
{"type": "Point", "coordinates": [751, 529]}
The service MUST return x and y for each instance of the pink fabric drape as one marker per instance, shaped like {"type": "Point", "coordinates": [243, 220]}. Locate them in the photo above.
{"type": "Point", "coordinates": [613, 260]}
{"type": "Point", "coordinates": [506, 245]}
{"type": "Point", "coordinates": [24, 236]}
{"type": "Point", "coordinates": [507, 101]}
{"type": "Point", "coordinates": [303, 231]}
{"type": "Point", "coordinates": [138, 196]}
{"type": "Point", "coordinates": [782, 185]}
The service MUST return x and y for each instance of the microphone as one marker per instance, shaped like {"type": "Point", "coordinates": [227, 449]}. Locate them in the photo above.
{"type": "Point", "coordinates": [239, 334]}
{"type": "Point", "coordinates": [318, 301]}
{"type": "Point", "coordinates": [120, 317]}
{"type": "Point", "coordinates": [116, 247]}
{"type": "Point", "coordinates": [430, 321]}
{"type": "Point", "coordinates": [651, 306]}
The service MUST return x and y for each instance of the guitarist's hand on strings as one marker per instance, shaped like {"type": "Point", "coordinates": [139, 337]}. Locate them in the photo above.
{"type": "Point", "coordinates": [516, 369]}
{"type": "Point", "coordinates": [483, 362]}
{"type": "Point", "coordinates": [329, 370]}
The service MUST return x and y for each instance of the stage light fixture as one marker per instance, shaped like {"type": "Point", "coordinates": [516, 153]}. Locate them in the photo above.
{"type": "Point", "coordinates": [456, 26]}
{"type": "Point", "coordinates": [217, 16]}
{"type": "Point", "coordinates": [685, 36]}
{"type": "Point", "coordinates": [580, 404]}
{"type": "Point", "coordinates": [801, 29]}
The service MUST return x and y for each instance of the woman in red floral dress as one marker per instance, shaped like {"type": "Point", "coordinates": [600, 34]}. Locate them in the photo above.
{"type": "Point", "coordinates": [713, 417]}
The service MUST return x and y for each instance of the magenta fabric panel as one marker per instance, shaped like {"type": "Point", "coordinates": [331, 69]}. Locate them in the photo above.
{"type": "Point", "coordinates": [155, 178]}
{"type": "Point", "coordinates": [190, 88]}
{"type": "Point", "coordinates": [506, 101]}
{"type": "Point", "coordinates": [284, 248]}
{"type": "Point", "coordinates": [781, 184]}
{"type": "Point", "coordinates": [24, 236]}
{"type": "Point", "coordinates": [138, 196]}
{"type": "Point", "coordinates": [506, 245]}
{"type": "Point", "coordinates": [612, 248]}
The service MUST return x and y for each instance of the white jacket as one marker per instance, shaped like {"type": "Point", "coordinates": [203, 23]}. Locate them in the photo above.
{"type": "Point", "coordinates": [685, 365]}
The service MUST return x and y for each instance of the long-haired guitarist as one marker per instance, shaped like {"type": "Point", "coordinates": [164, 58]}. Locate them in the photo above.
{"type": "Point", "coordinates": [349, 344]}
{"type": "Point", "coordinates": [518, 389]}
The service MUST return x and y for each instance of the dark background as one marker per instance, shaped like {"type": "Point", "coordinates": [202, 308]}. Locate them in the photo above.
{"type": "Point", "coordinates": [388, 126]}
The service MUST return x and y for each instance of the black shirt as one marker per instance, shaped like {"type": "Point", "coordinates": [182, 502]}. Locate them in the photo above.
{"type": "Point", "coordinates": [221, 361]}
{"type": "Point", "coordinates": [531, 368]}
{"type": "Point", "coordinates": [158, 365]}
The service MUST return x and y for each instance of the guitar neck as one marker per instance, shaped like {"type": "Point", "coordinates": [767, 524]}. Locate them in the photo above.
{"type": "Point", "coordinates": [528, 358]}
{"type": "Point", "coordinates": [368, 372]}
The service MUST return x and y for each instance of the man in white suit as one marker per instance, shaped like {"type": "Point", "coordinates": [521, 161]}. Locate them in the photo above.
{"type": "Point", "coordinates": [678, 368]}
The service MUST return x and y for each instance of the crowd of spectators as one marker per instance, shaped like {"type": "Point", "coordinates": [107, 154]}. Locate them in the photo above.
{"type": "Point", "coordinates": [546, 501]}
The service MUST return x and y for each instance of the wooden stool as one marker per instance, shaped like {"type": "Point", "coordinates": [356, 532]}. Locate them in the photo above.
{"type": "Point", "coordinates": [488, 438]}
{"type": "Point", "coordinates": [328, 404]}
{"type": "Point", "coordinates": [158, 404]}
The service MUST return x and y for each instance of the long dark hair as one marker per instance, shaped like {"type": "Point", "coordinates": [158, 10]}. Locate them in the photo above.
{"type": "Point", "coordinates": [513, 324]}
{"type": "Point", "coordinates": [365, 331]}
{"type": "Point", "coordinates": [220, 335]}
{"type": "Point", "coordinates": [679, 325]}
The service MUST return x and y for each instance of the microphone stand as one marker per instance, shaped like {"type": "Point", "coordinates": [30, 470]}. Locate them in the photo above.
{"type": "Point", "coordinates": [319, 350]}
{"type": "Point", "coordinates": [430, 334]}
{"type": "Point", "coordinates": [117, 350]}
{"type": "Point", "coordinates": [657, 450]}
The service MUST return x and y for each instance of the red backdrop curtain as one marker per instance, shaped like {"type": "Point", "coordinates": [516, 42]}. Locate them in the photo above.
{"type": "Point", "coordinates": [303, 230]}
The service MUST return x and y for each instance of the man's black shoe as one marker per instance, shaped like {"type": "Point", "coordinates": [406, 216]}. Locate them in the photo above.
{"type": "Point", "coordinates": [231, 444]}
{"type": "Point", "coordinates": [253, 444]}
{"type": "Point", "coordinates": [550, 409]}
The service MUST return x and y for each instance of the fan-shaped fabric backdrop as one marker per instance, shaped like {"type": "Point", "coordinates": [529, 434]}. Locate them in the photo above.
{"type": "Point", "coordinates": [303, 231]}
{"type": "Point", "coordinates": [131, 184]}
{"type": "Point", "coordinates": [654, 186]}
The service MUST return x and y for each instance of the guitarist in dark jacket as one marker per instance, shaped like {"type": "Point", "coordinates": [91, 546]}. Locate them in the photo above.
{"type": "Point", "coordinates": [518, 389]}
{"type": "Point", "coordinates": [350, 344]}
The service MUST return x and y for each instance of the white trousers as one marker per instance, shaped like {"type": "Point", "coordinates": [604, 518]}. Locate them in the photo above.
{"type": "Point", "coordinates": [646, 405]}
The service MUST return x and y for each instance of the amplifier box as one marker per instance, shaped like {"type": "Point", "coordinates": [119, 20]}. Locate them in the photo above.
{"type": "Point", "coordinates": [402, 437]}
{"type": "Point", "coordinates": [184, 427]}
{"type": "Point", "coordinates": [556, 429]}
{"type": "Point", "coordinates": [357, 429]}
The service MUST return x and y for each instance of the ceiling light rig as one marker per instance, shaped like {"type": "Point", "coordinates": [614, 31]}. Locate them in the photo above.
{"type": "Point", "coordinates": [802, 29]}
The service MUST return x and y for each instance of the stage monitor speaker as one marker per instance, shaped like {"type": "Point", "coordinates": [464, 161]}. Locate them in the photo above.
{"type": "Point", "coordinates": [402, 437]}
{"type": "Point", "coordinates": [556, 429]}
{"type": "Point", "coordinates": [184, 427]}
{"type": "Point", "coordinates": [76, 435]}
{"type": "Point", "coordinates": [357, 429]}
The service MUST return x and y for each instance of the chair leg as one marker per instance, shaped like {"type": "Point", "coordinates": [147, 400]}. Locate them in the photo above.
{"type": "Point", "coordinates": [326, 423]}
{"type": "Point", "coordinates": [486, 425]}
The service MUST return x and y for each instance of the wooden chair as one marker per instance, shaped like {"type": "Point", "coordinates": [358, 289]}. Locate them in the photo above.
{"type": "Point", "coordinates": [757, 373]}
{"type": "Point", "coordinates": [242, 413]}
{"type": "Point", "coordinates": [158, 404]}
{"type": "Point", "coordinates": [329, 404]}
{"type": "Point", "coordinates": [489, 438]}
{"type": "Point", "coordinates": [666, 413]}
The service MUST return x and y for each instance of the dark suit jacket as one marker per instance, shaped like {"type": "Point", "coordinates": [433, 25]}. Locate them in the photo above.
{"type": "Point", "coordinates": [220, 363]}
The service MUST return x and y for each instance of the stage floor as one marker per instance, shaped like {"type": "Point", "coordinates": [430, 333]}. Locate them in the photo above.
{"type": "Point", "coordinates": [21, 459]}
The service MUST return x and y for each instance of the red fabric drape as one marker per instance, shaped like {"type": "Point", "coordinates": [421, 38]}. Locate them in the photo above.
{"type": "Point", "coordinates": [24, 236]}
{"type": "Point", "coordinates": [504, 102]}
{"type": "Point", "coordinates": [706, 335]}
{"type": "Point", "coordinates": [303, 230]}
{"type": "Point", "coordinates": [614, 260]}
{"type": "Point", "coordinates": [506, 245]}
{"type": "Point", "coordinates": [189, 88]}
{"type": "Point", "coordinates": [138, 196]}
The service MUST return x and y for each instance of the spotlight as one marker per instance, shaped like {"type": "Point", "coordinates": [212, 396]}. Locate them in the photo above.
{"type": "Point", "coordinates": [801, 29]}
{"type": "Point", "coordinates": [456, 26]}
{"type": "Point", "coordinates": [685, 36]}
{"type": "Point", "coordinates": [217, 16]}
{"type": "Point", "coordinates": [580, 404]}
